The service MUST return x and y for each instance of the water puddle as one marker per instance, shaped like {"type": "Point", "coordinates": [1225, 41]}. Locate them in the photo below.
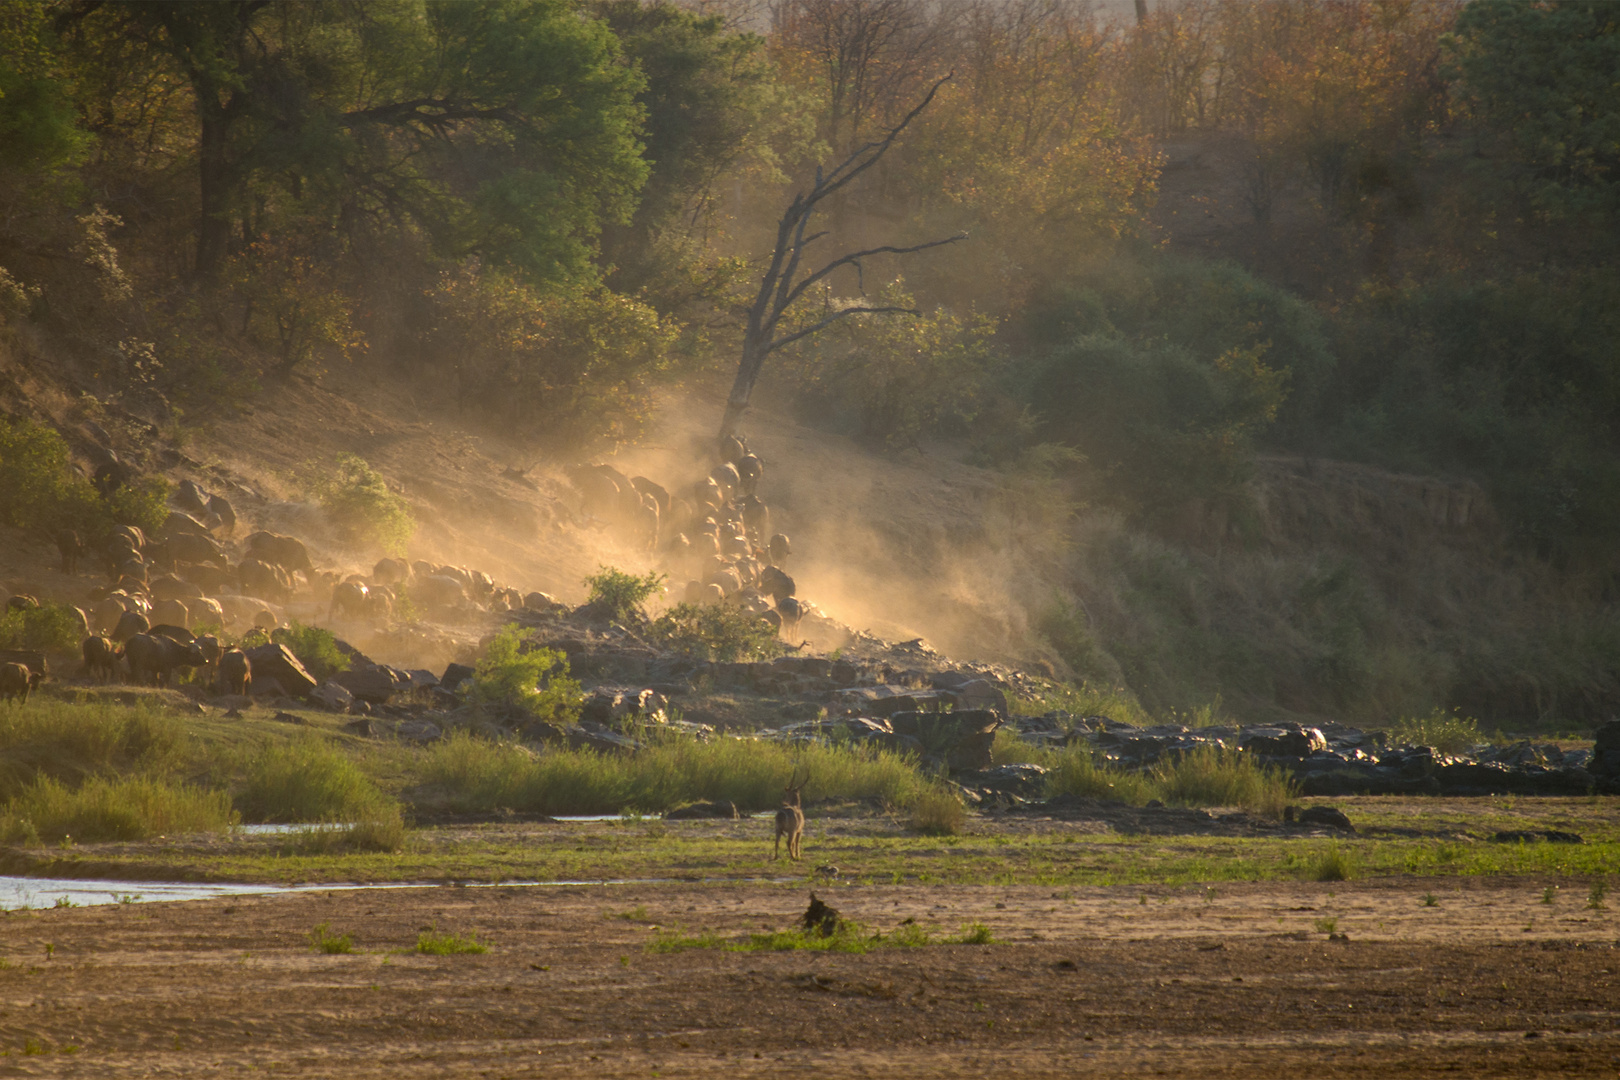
{"type": "Point", "coordinates": [22, 893]}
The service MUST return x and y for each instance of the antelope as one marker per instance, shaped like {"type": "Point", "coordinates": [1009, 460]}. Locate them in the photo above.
{"type": "Point", "coordinates": [790, 821]}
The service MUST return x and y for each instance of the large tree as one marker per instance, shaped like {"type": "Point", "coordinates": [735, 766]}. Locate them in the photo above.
{"type": "Point", "coordinates": [503, 128]}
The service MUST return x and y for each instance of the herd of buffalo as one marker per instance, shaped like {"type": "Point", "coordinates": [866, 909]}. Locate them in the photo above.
{"type": "Point", "coordinates": [169, 597]}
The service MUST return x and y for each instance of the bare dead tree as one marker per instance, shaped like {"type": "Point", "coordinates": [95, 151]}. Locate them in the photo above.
{"type": "Point", "coordinates": [782, 286]}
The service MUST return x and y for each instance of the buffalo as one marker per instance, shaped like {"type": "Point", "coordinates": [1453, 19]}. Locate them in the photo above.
{"type": "Point", "coordinates": [152, 657]}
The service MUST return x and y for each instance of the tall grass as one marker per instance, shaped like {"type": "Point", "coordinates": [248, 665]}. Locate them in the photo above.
{"type": "Point", "coordinates": [475, 774]}
{"type": "Point", "coordinates": [69, 742]}
{"type": "Point", "coordinates": [309, 780]}
{"type": "Point", "coordinates": [1205, 777]}
{"type": "Point", "coordinates": [123, 808]}
{"type": "Point", "coordinates": [1087, 699]}
{"type": "Point", "coordinates": [1223, 777]}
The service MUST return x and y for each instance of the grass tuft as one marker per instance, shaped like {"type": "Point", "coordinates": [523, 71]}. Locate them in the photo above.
{"type": "Point", "coordinates": [322, 940]}
{"type": "Point", "coordinates": [1211, 776]}
{"type": "Point", "coordinates": [1333, 864]}
{"type": "Point", "coordinates": [431, 942]}
{"type": "Point", "coordinates": [1450, 733]}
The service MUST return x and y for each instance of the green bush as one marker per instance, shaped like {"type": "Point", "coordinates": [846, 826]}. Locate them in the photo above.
{"type": "Point", "coordinates": [715, 632]}
{"type": "Point", "coordinates": [38, 491]}
{"type": "Point", "coordinates": [1449, 733]}
{"type": "Point", "coordinates": [50, 627]}
{"type": "Point", "coordinates": [123, 808]}
{"type": "Point", "coordinates": [315, 648]}
{"type": "Point", "coordinates": [617, 595]}
{"type": "Point", "coordinates": [1075, 771]}
{"type": "Point", "coordinates": [514, 671]}
{"type": "Point", "coordinates": [359, 501]}
{"type": "Point", "coordinates": [437, 943]}
{"type": "Point", "coordinates": [1209, 776]}
{"type": "Point", "coordinates": [308, 780]}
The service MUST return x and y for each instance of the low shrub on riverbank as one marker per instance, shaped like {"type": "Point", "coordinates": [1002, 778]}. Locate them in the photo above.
{"type": "Point", "coordinates": [119, 808]}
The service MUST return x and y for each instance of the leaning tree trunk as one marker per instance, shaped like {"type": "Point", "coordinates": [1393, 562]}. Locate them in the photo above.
{"type": "Point", "coordinates": [781, 284]}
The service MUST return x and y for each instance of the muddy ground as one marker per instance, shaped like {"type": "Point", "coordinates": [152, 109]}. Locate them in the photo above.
{"type": "Point", "coordinates": [1450, 976]}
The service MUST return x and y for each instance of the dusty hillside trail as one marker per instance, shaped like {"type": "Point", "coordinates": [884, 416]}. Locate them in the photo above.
{"type": "Point", "coordinates": [904, 546]}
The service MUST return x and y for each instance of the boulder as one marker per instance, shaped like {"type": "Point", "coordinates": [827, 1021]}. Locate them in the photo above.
{"type": "Point", "coordinates": [375, 684]}
{"type": "Point", "coordinates": [454, 676]}
{"type": "Point", "coordinates": [1027, 781]}
{"type": "Point", "coordinates": [601, 740]}
{"type": "Point", "coordinates": [1606, 750]}
{"type": "Point", "coordinates": [334, 696]}
{"type": "Point", "coordinates": [979, 694]}
{"type": "Point", "coordinates": [1290, 740]}
{"type": "Point", "coordinates": [1331, 816]}
{"type": "Point", "coordinates": [276, 661]}
{"type": "Point", "coordinates": [419, 731]}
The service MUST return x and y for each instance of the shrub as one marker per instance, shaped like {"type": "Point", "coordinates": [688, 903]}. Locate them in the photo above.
{"type": "Point", "coordinates": [617, 595]}
{"type": "Point", "coordinates": [936, 812]}
{"type": "Point", "coordinates": [1449, 733]}
{"type": "Point", "coordinates": [715, 632]}
{"type": "Point", "coordinates": [1222, 777]}
{"type": "Point", "coordinates": [358, 500]}
{"type": "Point", "coordinates": [1332, 864]}
{"type": "Point", "coordinates": [48, 628]}
{"type": "Point", "coordinates": [1076, 772]}
{"type": "Point", "coordinates": [308, 780]}
{"type": "Point", "coordinates": [126, 808]}
{"type": "Point", "coordinates": [315, 648]}
{"type": "Point", "coordinates": [514, 671]}
{"type": "Point", "coordinates": [38, 490]}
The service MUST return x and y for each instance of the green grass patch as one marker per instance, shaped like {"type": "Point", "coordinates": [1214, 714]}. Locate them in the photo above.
{"type": "Point", "coordinates": [432, 942]}
{"type": "Point", "coordinates": [111, 808]}
{"type": "Point", "coordinates": [936, 812]}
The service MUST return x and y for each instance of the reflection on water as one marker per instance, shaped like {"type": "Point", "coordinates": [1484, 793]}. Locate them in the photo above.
{"type": "Point", "coordinates": [17, 893]}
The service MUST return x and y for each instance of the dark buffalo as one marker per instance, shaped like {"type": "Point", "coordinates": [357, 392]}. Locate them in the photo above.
{"type": "Point", "coordinates": [153, 658]}
{"type": "Point", "coordinates": [287, 552]}
{"type": "Point", "coordinates": [130, 624]}
{"type": "Point", "coordinates": [16, 681]}
{"type": "Point", "coordinates": [260, 578]}
{"type": "Point", "coordinates": [72, 548]}
{"type": "Point", "coordinates": [773, 582]}
{"type": "Point", "coordinates": [235, 671]}
{"type": "Point", "coordinates": [101, 659]}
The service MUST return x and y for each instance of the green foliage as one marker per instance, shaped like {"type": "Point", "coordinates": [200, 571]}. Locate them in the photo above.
{"type": "Point", "coordinates": [514, 671]}
{"type": "Point", "coordinates": [445, 943]}
{"type": "Point", "coordinates": [1076, 772]}
{"type": "Point", "coordinates": [715, 632]}
{"type": "Point", "coordinates": [315, 647]}
{"type": "Point", "coordinates": [1450, 733]}
{"type": "Point", "coordinates": [1540, 78]}
{"type": "Point", "coordinates": [360, 502]}
{"type": "Point", "coordinates": [38, 491]}
{"type": "Point", "coordinates": [308, 780]}
{"type": "Point", "coordinates": [618, 596]}
{"type": "Point", "coordinates": [847, 937]}
{"type": "Point", "coordinates": [51, 627]}
{"type": "Point", "coordinates": [38, 122]}
{"type": "Point", "coordinates": [120, 808]}
{"type": "Point", "coordinates": [322, 940]}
